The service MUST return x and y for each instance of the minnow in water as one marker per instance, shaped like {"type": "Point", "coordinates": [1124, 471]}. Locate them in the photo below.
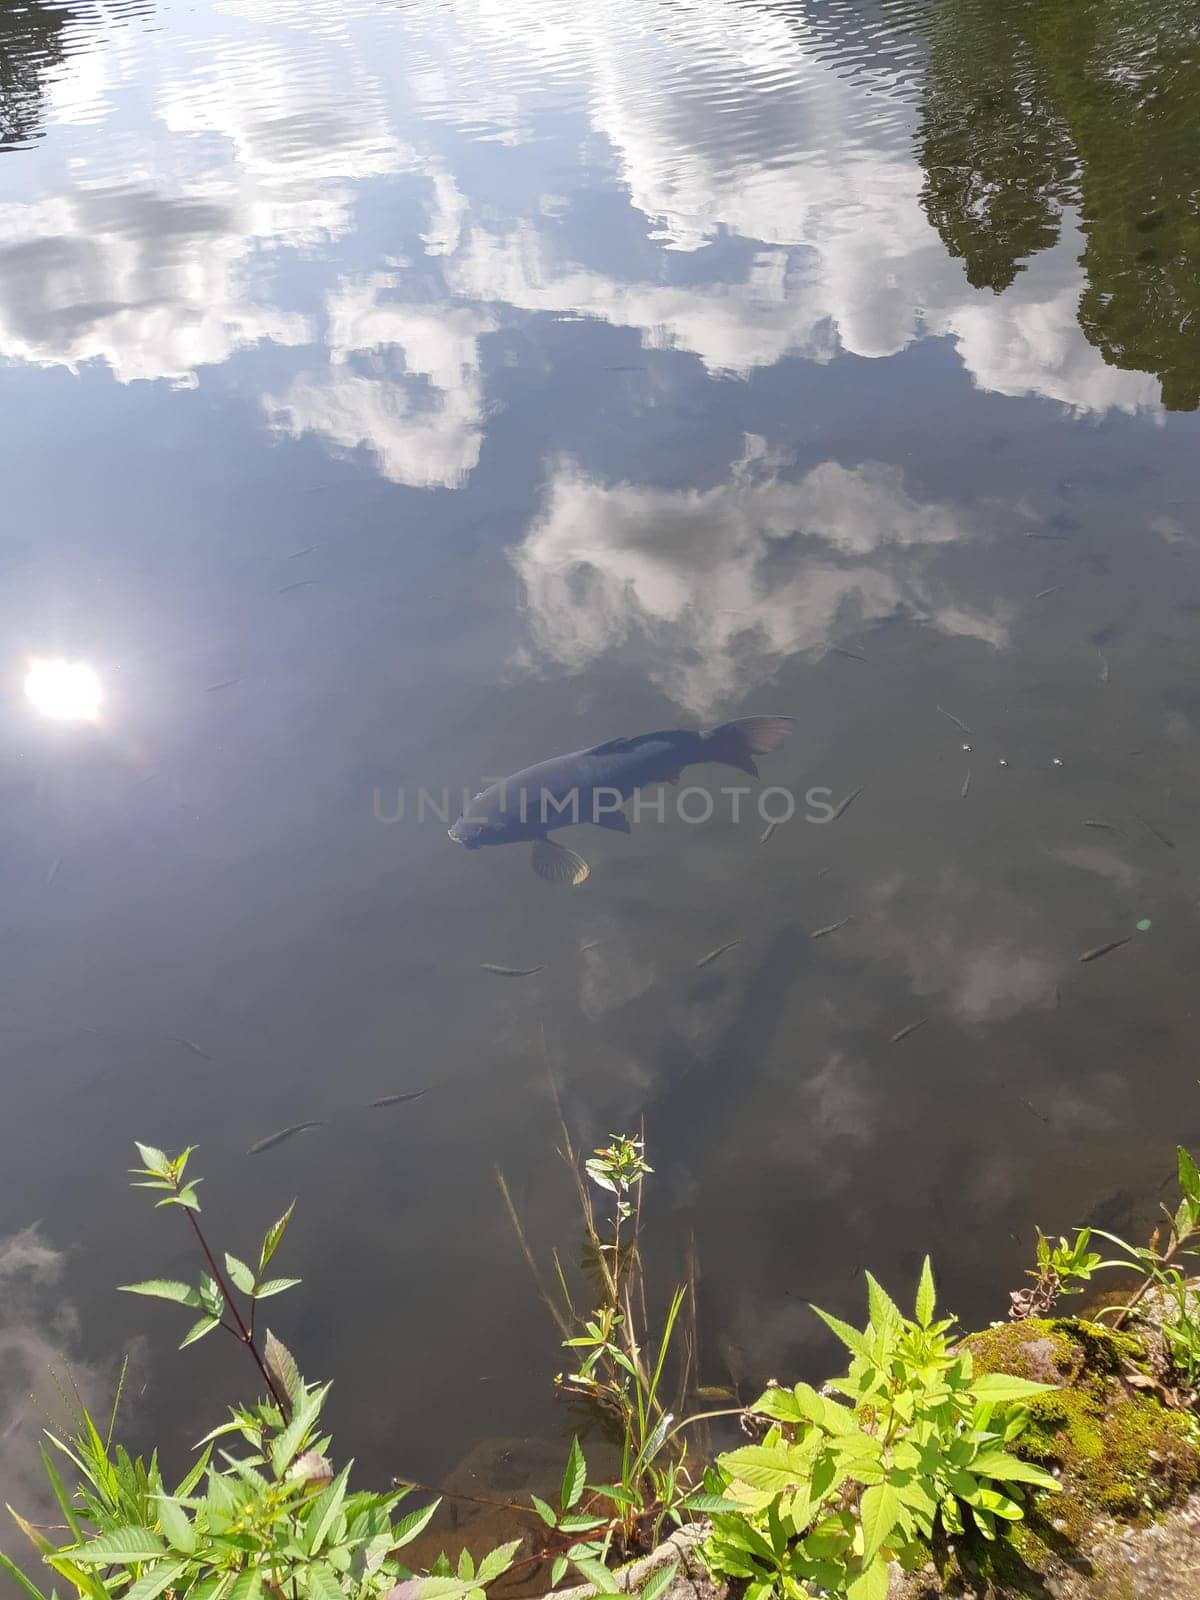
{"type": "Point", "coordinates": [226, 683]}
{"type": "Point", "coordinates": [304, 583]}
{"type": "Point", "coordinates": [767, 832]}
{"type": "Point", "coordinates": [273, 1139]}
{"type": "Point", "coordinates": [719, 951]}
{"type": "Point", "coordinates": [847, 803]}
{"type": "Point", "coordinates": [511, 972]}
{"type": "Point", "coordinates": [591, 786]}
{"type": "Point", "coordinates": [1157, 832]}
{"type": "Point", "coordinates": [909, 1027]}
{"type": "Point", "coordinates": [1043, 593]}
{"type": "Point", "coordinates": [836, 650]}
{"type": "Point", "coordinates": [953, 718]}
{"type": "Point", "coordinates": [1032, 1110]}
{"type": "Point", "coordinates": [188, 1045]}
{"type": "Point", "coordinates": [52, 871]}
{"type": "Point", "coordinates": [966, 785]}
{"type": "Point", "coordinates": [1105, 669]}
{"type": "Point", "coordinates": [398, 1099]}
{"type": "Point", "coordinates": [819, 933]}
{"type": "Point", "coordinates": [1108, 827]}
{"type": "Point", "coordinates": [1104, 949]}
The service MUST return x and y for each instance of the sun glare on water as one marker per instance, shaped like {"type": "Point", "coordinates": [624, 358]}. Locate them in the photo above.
{"type": "Point", "coordinates": [67, 691]}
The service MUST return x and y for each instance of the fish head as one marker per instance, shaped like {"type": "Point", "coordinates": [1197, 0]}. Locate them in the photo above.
{"type": "Point", "coordinates": [467, 831]}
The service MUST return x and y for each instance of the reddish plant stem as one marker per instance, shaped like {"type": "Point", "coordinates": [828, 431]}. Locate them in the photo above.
{"type": "Point", "coordinates": [243, 1333]}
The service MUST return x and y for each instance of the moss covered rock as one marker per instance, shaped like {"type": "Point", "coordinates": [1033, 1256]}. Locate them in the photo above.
{"type": "Point", "coordinates": [1119, 1453]}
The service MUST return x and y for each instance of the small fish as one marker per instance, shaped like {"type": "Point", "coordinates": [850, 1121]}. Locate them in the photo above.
{"type": "Point", "coordinates": [966, 785]}
{"type": "Point", "coordinates": [304, 583]}
{"type": "Point", "coordinates": [295, 555]}
{"type": "Point", "coordinates": [1033, 1111]}
{"type": "Point", "coordinates": [719, 951]}
{"type": "Point", "coordinates": [1157, 832]}
{"type": "Point", "coordinates": [1104, 949]}
{"type": "Point", "coordinates": [833, 927]}
{"type": "Point", "coordinates": [909, 1027]}
{"type": "Point", "coordinates": [953, 719]}
{"type": "Point", "coordinates": [1108, 827]}
{"type": "Point", "coordinates": [1105, 669]}
{"type": "Point", "coordinates": [398, 1099]}
{"type": "Point", "coordinates": [836, 649]}
{"type": "Point", "coordinates": [273, 1139]}
{"type": "Point", "coordinates": [593, 944]}
{"type": "Point", "coordinates": [767, 832]}
{"type": "Point", "coordinates": [1043, 593]}
{"type": "Point", "coordinates": [188, 1045]}
{"type": "Point", "coordinates": [226, 683]}
{"type": "Point", "coordinates": [1057, 538]}
{"type": "Point", "coordinates": [511, 972]}
{"type": "Point", "coordinates": [715, 1391]}
{"type": "Point", "coordinates": [847, 803]}
{"type": "Point", "coordinates": [822, 872]}
{"type": "Point", "coordinates": [52, 871]}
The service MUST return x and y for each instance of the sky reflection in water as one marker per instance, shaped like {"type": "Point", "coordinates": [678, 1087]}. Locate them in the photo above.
{"type": "Point", "coordinates": [397, 397]}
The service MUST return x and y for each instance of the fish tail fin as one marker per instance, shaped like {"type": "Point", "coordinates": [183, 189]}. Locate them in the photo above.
{"type": "Point", "coordinates": [557, 864]}
{"type": "Point", "coordinates": [735, 744]}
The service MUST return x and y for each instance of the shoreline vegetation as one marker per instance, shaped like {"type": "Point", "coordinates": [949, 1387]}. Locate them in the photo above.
{"type": "Point", "coordinates": [1003, 1461]}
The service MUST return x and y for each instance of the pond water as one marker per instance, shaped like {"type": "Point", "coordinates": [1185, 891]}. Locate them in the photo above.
{"type": "Point", "coordinates": [396, 395]}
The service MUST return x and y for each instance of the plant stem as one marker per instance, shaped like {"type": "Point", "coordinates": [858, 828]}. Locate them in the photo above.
{"type": "Point", "coordinates": [243, 1333]}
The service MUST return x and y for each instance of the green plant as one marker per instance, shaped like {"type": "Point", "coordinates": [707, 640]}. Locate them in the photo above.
{"type": "Point", "coordinates": [262, 1512]}
{"type": "Point", "coordinates": [619, 1372]}
{"type": "Point", "coordinates": [1161, 1273]}
{"type": "Point", "coordinates": [1061, 1268]}
{"type": "Point", "coordinates": [913, 1453]}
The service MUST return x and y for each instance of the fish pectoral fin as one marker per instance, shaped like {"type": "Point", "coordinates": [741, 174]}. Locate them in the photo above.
{"type": "Point", "coordinates": [557, 864]}
{"type": "Point", "coordinates": [617, 821]}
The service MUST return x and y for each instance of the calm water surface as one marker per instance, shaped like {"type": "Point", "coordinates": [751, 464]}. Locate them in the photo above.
{"type": "Point", "coordinates": [395, 395]}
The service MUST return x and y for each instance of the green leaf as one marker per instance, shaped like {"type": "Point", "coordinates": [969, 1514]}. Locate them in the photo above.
{"type": "Point", "coordinates": [281, 1364]}
{"type": "Point", "coordinates": [925, 1295]}
{"type": "Point", "coordinates": [850, 1337]}
{"type": "Point", "coordinates": [707, 1504]}
{"type": "Point", "coordinates": [323, 1583]}
{"type": "Point", "coordinates": [14, 1571]}
{"type": "Point", "coordinates": [1004, 1468]}
{"type": "Point", "coordinates": [408, 1527]}
{"type": "Point", "coordinates": [151, 1584]}
{"type": "Point", "coordinates": [596, 1574]}
{"type": "Point", "coordinates": [768, 1468]}
{"type": "Point", "coordinates": [173, 1520]}
{"type": "Point", "coordinates": [61, 1495]}
{"type": "Point", "coordinates": [289, 1441]}
{"type": "Point", "coordinates": [325, 1509]}
{"type": "Point", "coordinates": [779, 1404]}
{"type": "Point", "coordinates": [153, 1160]}
{"type": "Point", "coordinates": [275, 1286]}
{"type": "Point", "coordinates": [164, 1289]}
{"type": "Point", "coordinates": [272, 1237]}
{"type": "Point", "coordinates": [885, 1313]}
{"type": "Point", "coordinates": [198, 1329]}
{"type": "Point", "coordinates": [871, 1583]}
{"type": "Point", "coordinates": [1001, 1388]}
{"type": "Point", "coordinates": [879, 1511]}
{"type": "Point", "coordinates": [574, 1477]}
{"type": "Point", "coordinates": [558, 1571]}
{"type": "Point", "coordinates": [1189, 1177]}
{"type": "Point", "coordinates": [548, 1516]}
{"type": "Point", "coordinates": [242, 1277]}
{"type": "Point", "coordinates": [658, 1581]}
{"type": "Point", "coordinates": [496, 1562]}
{"type": "Point", "coordinates": [122, 1544]}
{"type": "Point", "coordinates": [247, 1585]}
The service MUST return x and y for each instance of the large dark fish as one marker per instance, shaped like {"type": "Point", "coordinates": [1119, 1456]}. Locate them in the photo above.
{"type": "Point", "coordinates": [591, 785]}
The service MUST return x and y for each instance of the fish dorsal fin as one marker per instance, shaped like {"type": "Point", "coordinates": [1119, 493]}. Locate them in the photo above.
{"type": "Point", "coordinates": [613, 744]}
{"type": "Point", "coordinates": [632, 744]}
